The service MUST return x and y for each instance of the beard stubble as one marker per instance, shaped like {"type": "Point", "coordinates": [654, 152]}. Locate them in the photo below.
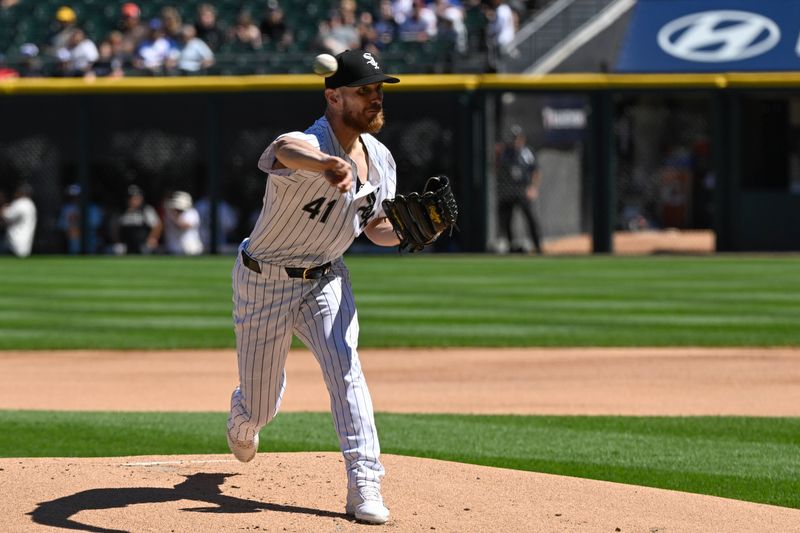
{"type": "Point", "coordinates": [363, 125]}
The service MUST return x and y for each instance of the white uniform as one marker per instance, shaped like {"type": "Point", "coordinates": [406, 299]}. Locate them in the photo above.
{"type": "Point", "coordinates": [184, 240]}
{"type": "Point", "coordinates": [20, 219]}
{"type": "Point", "coordinates": [305, 222]}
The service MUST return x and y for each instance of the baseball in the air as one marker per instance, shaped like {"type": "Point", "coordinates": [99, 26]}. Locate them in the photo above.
{"type": "Point", "coordinates": [325, 65]}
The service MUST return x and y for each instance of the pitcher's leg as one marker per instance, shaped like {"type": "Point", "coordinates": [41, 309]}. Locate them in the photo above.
{"type": "Point", "coordinates": [264, 312]}
{"type": "Point", "coordinates": [328, 325]}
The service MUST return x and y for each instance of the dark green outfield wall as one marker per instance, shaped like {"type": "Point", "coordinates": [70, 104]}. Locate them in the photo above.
{"type": "Point", "coordinates": [205, 135]}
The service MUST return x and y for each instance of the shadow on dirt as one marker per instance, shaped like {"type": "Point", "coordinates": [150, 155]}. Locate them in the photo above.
{"type": "Point", "coordinates": [199, 487]}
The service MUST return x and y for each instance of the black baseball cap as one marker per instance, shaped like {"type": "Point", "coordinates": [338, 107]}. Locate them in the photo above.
{"type": "Point", "coordinates": [356, 68]}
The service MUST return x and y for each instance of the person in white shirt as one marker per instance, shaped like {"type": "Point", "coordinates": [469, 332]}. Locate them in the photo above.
{"type": "Point", "coordinates": [19, 219]}
{"type": "Point", "coordinates": [195, 55]}
{"type": "Point", "coordinates": [182, 227]}
{"type": "Point", "coordinates": [79, 55]}
{"type": "Point", "coordinates": [503, 28]}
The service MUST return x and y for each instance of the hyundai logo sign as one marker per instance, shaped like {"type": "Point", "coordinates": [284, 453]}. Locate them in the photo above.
{"type": "Point", "coordinates": [719, 36]}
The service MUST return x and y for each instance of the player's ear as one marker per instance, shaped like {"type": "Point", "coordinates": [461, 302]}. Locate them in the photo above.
{"type": "Point", "coordinates": [332, 96]}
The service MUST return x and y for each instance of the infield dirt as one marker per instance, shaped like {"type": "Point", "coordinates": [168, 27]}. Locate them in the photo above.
{"type": "Point", "coordinates": [305, 492]}
{"type": "Point", "coordinates": [592, 381]}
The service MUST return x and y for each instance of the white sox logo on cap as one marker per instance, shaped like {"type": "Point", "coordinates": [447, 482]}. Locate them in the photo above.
{"type": "Point", "coordinates": [355, 68]}
{"type": "Point", "coordinates": [371, 60]}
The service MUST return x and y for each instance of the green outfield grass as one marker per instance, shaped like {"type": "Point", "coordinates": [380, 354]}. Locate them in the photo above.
{"type": "Point", "coordinates": [753, 459]}
{"type": "Point", "coordinates": [172, 302]}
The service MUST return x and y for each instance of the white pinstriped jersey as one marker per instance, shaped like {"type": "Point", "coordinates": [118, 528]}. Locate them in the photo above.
{"type": "Point", "coordinates": [306, 222]}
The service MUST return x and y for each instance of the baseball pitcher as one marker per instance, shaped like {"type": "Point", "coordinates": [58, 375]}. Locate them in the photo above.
{"type": "Point", "coordinates": [325, 187]}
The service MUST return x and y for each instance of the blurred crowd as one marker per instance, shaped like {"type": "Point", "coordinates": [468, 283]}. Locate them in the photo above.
{"type": "Point", "coordinates": [168, 44]}
{"type": "Point", "coordinates": [134, 43]}
{"type": "Point", "coordinates": [174, 224]}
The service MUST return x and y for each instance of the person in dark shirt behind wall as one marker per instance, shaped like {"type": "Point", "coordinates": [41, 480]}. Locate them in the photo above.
{"type": "Point", "coordinates": [139, 227]}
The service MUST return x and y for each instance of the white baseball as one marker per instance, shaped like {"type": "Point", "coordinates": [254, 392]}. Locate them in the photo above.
{"type": "Point", "coordinates": [325, 65]}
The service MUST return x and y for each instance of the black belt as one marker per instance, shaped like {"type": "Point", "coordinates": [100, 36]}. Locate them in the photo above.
{"type": "Point", "coordinates": [292, 272]}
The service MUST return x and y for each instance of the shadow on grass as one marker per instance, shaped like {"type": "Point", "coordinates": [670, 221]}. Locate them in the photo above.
{"type": "Point", "coordinates": [199, 487]}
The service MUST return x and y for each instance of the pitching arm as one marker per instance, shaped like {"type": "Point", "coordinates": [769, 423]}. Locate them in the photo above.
{"type": "Point", "coordinates": [297, 154]}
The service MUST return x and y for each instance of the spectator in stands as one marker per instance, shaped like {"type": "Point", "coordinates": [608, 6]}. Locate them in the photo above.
{"type": "Point", "coordinates": [157, 54]}
{"type": "Point", "coordinates": [173, 25]}
{"type": "Point", "coordinates": [208, 28]}
{"type": "Point", "coordinates": [132, 31]}
{"type": "Point", "coordinates": [79, 54]}
{"type": "Point", "coordinates": [120, 50]}
{"type": "Point", "coordinates": [138, 228]}
{"type": "Point", "coordinates": [401, 10]}
{"type": "Point", "coordinates": [30, 65]}
{"type": "Point", "coordinates": [427, 14]}
{"type": "Point", "coordinates": [108, 65]}
{"type": "Point", "coordinates": [386, 28]}
{"type": "Point", "coordinates": [418, 9]}
{"type": "Point", "coordinates": [348, 7]}
{"type": "Point", "coordinates": [501, 29]}
{"type": "Point", "coordinates": [476, 22]}
{"type": "Point", "coordinates": [19, 220]}
{"type": "Point", "coordinates": [65, 21]}
{"type": "Point", "coordinates": [7, 72]}
{"type": "Point", "coordinates": [450, 24]}
{"type": "Point", "coordinates": [339, 33]}
{"type": "Point", "coordinates": [414, 28]}
{"type": "Point", "coordinates": [446, 35]}
{"type": "Point", "coordinates": [367, 34]}
{"type": "Point", "coordinates": [195, 55]}
{"type": "Point", "coordinates": [245, 35]}
{"type": "Point", "coordinates": [274, 29]}
{"type": "Point", "coordinates": [182, 226]}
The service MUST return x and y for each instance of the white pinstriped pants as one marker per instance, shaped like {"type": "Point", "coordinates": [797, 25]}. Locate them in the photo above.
{"type": "Point", "coordinates": [322, 314]}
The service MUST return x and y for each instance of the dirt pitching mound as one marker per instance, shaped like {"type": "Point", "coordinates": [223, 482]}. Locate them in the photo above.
{"type": "Point", "coordinates": [305, 492]}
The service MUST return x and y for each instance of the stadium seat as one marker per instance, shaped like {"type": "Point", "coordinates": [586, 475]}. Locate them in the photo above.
{"type": "Point", "coordinates": [32, 21]}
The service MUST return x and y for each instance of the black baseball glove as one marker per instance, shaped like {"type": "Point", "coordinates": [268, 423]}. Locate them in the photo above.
{"type": "Point", "coordinates": [419, 219]}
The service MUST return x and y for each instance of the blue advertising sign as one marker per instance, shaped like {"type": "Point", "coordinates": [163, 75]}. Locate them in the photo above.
{"type": "Point", "coordinates": [712, 36]}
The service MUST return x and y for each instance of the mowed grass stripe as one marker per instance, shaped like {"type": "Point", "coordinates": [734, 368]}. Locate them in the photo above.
{"type": "Point", "coordinates": [565, 335]}
{"type": "Point", "coordinates": [753, 459]}
{"type": "Point", "coordinates": [635, 317]}
{"type": "Point", "coordinates": [130, 302]}
{"type": "Point", "coordinates": [101, 308]}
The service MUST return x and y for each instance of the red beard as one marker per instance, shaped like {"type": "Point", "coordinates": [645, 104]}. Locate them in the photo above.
{"type": "Point", "coordinates": [362, 124]}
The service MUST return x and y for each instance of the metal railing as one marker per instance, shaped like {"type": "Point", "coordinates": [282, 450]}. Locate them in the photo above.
{"type": "Point", "coordinates": [555, 23]}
